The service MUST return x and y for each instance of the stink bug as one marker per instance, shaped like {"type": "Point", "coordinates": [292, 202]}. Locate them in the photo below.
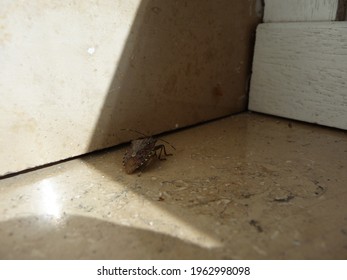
{"type": "Point", "coordinates": [142, 151]}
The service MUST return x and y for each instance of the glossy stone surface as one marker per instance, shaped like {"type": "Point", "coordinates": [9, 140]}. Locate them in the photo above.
{"type": "Point", "coordinates": [244, 187]}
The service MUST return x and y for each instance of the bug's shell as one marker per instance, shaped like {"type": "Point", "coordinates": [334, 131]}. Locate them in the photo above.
{"type": "Point", "coordinates": [139, 154]}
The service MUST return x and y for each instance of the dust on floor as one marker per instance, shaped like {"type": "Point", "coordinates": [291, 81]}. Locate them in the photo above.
{"type": "Point", "coordinates": [245, 187]}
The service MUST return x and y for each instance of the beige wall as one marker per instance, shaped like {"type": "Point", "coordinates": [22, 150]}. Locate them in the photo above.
{"type": "Point", "coordinates": [73, 73]}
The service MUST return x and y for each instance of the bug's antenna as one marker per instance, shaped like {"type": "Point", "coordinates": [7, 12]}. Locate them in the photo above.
{"type": "Point", "coordinates": [133, 130]}
{"type": "Point", "coordinates": [167, 143]}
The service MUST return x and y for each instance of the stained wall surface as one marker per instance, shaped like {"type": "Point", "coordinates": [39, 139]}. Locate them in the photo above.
{"type": "Point", "coordinates": [74, 73]}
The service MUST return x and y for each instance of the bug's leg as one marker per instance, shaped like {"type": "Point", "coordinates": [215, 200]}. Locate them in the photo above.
{"type": "Point", "coordinates": [161, 148]}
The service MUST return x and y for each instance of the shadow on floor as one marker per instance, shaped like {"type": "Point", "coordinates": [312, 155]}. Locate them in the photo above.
{"type": "Point", "coordinates": [78, 237]}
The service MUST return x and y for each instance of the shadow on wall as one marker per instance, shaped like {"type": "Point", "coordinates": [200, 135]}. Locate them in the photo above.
{"type": "Point", "coordinates": [78, 237]}
{"type": "Point", "coordinates": [184, 62]}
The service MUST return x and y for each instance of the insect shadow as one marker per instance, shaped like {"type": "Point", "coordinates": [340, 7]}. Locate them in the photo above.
{"type": "Point", "coordinates": [142, 151]}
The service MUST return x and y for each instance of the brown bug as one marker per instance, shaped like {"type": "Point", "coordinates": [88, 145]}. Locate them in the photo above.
{"type": "Point", "coordinates": [142, 151]}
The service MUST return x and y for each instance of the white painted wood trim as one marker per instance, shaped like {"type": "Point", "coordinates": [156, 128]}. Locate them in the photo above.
{"type": "Point", "coordinates": [300, 10]}
{"type": "Point", "coordinates": [300, 72]}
